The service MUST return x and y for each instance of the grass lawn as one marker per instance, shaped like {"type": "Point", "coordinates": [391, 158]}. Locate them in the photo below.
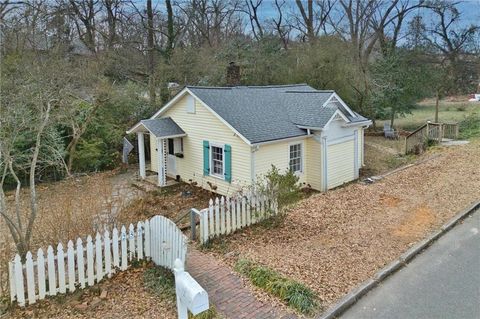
{"type": "Point", "coordinates": [449, 111]}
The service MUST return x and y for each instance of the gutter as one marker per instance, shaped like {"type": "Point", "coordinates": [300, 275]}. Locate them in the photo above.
{"type": "Point", "coordinates": [368, 123]}
{"type": "Point", "coordinates": [301, 137]}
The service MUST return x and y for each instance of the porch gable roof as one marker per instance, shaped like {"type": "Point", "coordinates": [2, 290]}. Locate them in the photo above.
{"type": "Point", "coordinates": [160, 127]}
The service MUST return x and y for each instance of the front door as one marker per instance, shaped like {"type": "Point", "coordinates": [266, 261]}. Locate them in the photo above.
{"type": "Point", "coordinates": [171, 158]}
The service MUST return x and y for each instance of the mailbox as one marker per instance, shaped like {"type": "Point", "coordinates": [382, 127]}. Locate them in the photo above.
{"type": "Point", "coordinates": [190, 294]}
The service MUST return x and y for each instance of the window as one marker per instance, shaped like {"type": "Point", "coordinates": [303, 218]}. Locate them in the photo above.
{"type": "Point", "coordinates": [296, 158]}
{"type": "Point", "coordinates": [216, 155]}
{"type": "Point", "coordinates": [171, 149]}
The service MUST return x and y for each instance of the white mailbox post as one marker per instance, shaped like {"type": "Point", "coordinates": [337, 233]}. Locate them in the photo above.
{"type": "Point", "coordinates": [190, 295]}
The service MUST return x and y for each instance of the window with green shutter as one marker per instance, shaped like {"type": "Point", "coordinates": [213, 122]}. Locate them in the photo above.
{"type": "Point", "coordinates": [217, 160]}
{"type": "Point", "coordinates": [228, 163]}
{"type": "Point", "coordinates": [206, 158]}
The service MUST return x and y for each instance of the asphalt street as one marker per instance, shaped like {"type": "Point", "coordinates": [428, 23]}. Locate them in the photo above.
{"type": "Point", "coordinates": [441, 282]}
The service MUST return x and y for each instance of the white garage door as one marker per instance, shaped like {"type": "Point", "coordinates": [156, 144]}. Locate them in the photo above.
{"type": "Point", "coordinates": [340, 163]}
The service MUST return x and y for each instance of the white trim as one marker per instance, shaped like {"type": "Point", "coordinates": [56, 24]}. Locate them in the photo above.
{"type": "Point", "coordinates": [334, 94]}
{"type": "Point", "coordinates": [253, 176]}
{"type": "Point", "coordinates": [173, 136]}
{"type": "Point", "coordinates": [367, 122]}
{"type": "Point", "coordinates": [162, 170]}
{"type": "Point", "coordinates": [337, 112]}
{"type": "Point", "coordinates": [134, 128]}
{"type": "Point", "coordinates": [310, 128]}
{"type": "Point", "coordinates": [170, 103]}
{"type": "Point", "coordinates": [325, 164]}
{"type": "Point", "coordinates": [295, 138]}
{"type": "Point", "coordinates": [302, 157]}
{"type": "Point", "coordinates": [218, 145]}
{"type": "Point", "coordinates": [355, 154]}
{"type": "Point", "coordinates": [141, 154]}
{"type": "Point", "coordinates": [341, 139]}
{"type": "Point", "coordinates": [185, 90]}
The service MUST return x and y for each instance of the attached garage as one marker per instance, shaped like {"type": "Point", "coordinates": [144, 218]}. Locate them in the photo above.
{"type": "Point", "coordinates": [340, 163]}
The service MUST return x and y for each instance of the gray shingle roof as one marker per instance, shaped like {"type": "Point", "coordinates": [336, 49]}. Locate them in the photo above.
{"type": "Point", "coordinates": [162, 127]}
{"type": "Point", "coordinates": [266, 113]}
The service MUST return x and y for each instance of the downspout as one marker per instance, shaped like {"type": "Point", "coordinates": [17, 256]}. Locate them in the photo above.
{"type": "Point", "coordinates": [253, 176]}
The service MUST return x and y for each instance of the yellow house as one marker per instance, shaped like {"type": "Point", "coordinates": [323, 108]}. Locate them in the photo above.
{"type": "Point", "coordinates": [224, 138]}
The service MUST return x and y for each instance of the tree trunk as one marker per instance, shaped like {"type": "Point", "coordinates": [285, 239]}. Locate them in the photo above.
{"type": "Point", "coordinates": [392, 118]}
{"type": "Point", "coordinates": [437, 102]}
{"type": "Point", "coordinates": [150, 53]}
{"type": "Point", "coordinates": [170, 31]}
{"type": "Point", "coordinates": [71, 148]}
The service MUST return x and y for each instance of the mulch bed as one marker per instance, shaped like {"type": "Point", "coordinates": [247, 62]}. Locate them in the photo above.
{"type": "Point", "coordinates": [334, 241]}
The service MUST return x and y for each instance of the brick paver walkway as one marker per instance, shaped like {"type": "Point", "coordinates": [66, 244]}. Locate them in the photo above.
{"type": "Point", "coordinates": [226, 290]}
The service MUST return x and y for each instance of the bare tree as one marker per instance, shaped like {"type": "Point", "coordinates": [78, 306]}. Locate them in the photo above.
{"type": "Point", "coordinates": [281, 28]}
{"type": "Point", "coordinates": [171, 36]}
{"type": "Point", "coordinates": [251, 9]}
{"type": "Point", "coordinates": [210, 21]}
{"type": "Point", "coordinates": [314, 16]}
{"type": "Point", "coordinates": [150, 53]}
{"type": "Point", "coordinates": [112, 8]}
{"type": "Point", "coordinates": [26, 117]}
{"type": "Point", "coordinates": [452, 40]}
{"type": "Point", "coordinates": [84, 13]}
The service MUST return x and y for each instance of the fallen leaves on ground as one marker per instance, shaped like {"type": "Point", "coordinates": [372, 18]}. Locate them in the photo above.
{"type": "Point", "coordinates": [333, 241]}
{"type": "Point", "coordinates": [124, 296]}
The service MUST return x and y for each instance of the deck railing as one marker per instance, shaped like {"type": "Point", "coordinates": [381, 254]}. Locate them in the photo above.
{"type": "Point", "coordinates": [416, 141]}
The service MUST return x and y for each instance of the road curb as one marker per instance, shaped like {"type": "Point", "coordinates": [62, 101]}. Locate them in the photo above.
{"type": "Point", "coordinates": [353, 296]}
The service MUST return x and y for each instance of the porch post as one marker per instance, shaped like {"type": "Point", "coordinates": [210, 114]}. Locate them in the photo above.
{"type": "Point", "coordinates": [141, 154]}
{"type": "Point", "coordinates": [162, 165]}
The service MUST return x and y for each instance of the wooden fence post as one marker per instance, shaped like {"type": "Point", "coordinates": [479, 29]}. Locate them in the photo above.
{"type": "Point", "coordinates": [19, 287]}
{"type": "Point", "coordinates": [80, 264]}
{"type": "Point", "coordinates": [71, 266]}
{"type": "Point", "coordinates": [41, 274]}
{"type": "Point", "coordinates": [52, 282]}
{"type": "Point", "coordinates": [30, 278]}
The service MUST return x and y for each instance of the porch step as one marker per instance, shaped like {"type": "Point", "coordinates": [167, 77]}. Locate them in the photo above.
{"type": "Point", "coordinates": [144, 186]}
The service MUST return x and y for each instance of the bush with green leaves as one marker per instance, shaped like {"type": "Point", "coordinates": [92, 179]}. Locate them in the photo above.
{"type": "Point", "coordinates": [470, 126]}
{"type": "Point", "coordinates": [161, 281]}
{"type": "Point", "coordinates": [284, 187]}
{"type": "Point", "coordinates": [296, 295]}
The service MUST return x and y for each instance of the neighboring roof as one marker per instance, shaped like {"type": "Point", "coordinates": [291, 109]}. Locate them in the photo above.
{"type": "Point", "coordinates": [267, 113]}
{"type": "Point", "coordinates": [162, 127]}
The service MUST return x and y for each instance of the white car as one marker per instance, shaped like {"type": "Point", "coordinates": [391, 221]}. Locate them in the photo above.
{"type": "Point", "coordinates": [474, 98]}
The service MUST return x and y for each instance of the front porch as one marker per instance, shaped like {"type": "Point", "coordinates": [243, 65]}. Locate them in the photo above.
{"type": "Point", "coordinates": [153, 179]}
{"type": "Point", "coordinates": [162, 133]}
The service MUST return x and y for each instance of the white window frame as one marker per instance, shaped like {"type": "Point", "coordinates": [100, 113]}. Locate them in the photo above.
{"type": "Point", "coordinates": [222, 146]}
{"type": "Point", "coordinates": [302, 146]}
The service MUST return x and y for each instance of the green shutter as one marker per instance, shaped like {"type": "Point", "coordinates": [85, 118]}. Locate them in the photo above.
{"type": "Point", "coordinates": [228, 163]}
{"type": "Point", "coordinates": [206, 158]}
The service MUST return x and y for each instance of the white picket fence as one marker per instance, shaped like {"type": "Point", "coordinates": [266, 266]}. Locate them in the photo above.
{"type": "Point", "coordinates": [81, 266]}
{"type": "Point", "coordinates": [225, 215]}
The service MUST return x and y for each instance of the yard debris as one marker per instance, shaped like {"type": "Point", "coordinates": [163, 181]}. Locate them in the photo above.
{"type": "Point", "coordinates": [334, 241]}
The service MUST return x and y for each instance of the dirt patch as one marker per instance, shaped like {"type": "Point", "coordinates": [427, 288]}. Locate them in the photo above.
{"type": "Point", "coordinates": [334, 241]}
{"type": "Point", "coordinates": [414, 226]}
{"type": "Point", "coordinates": [173, 202]}
{"type": "Point", "coordinates": [390, 201]}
